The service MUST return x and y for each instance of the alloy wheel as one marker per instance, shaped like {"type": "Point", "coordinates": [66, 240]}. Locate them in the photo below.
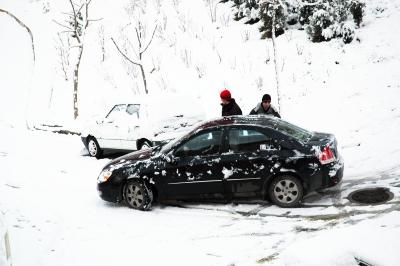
{"type": "Point", "coordinates": [92, 147]}
{"type": "Point", "coordinates": [146, 145]}
{"type": "Point", "coordinates": [286, 191]}
{"type": "Point", "coordinates": [134, 196]}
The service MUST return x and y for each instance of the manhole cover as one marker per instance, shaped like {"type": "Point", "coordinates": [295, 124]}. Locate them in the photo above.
{"type": "Point", "coordinates": [370, 196]}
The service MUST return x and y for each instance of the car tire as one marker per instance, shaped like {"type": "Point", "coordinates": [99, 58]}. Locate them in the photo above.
{"type": "Point", "coordinates": [286, 191]}
{"type": "Point", "coordinates": [145, 145]}
{"type": "Point", "coordinates": [138, 195]}
{"type": "Point", "coordinates": [94, 147]}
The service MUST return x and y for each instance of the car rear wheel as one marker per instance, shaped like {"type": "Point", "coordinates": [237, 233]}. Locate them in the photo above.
{"type": "Point", "coordinates": [286, 191]}
{"type": "Point", "coordinates": [138, 195]}
{"type": "Point", "coordinates": [94, 147]}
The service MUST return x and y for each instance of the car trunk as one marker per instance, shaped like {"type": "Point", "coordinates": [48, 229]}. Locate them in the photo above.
{"type": "Point", "coordinates": [320, 140]}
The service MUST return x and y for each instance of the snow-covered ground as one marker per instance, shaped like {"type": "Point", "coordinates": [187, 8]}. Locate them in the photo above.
{"type": "Point", "coordinates": [48, 188]}
{"type": "Point", "coordinates": [48, 195]}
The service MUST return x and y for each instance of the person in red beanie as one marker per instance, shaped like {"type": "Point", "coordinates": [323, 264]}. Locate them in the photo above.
{"type": "Point", "coordinates": [229, 105]}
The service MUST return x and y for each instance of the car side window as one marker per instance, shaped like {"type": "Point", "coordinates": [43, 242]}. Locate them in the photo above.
{"type": "Point", "coordinates": [203, 144]}
{"type": "Point", "coordinates": [248, 140]}
{"type": "Point", "coordinates": [133, 110]}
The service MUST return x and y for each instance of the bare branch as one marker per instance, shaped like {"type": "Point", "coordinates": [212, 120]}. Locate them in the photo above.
{"type": "Point", "coordinates": [80, 8]}
{"type": "Point", "coordinates": [87, 14]}
{"type": "Point", "coordinates": [24, 26]}
{"type": "Point", "coordinates": [75, 21]}
{"type": "Point", "coordinates": [69, 31]}
{"type": "Point", "coordinates": [138, 38]}
{"type": "Point", "coordinates": [152, 36]}
{"type": "Point", "coordinates": [124, 55]}
{"type": "Point", "coordinates": [62, 25]}
{"type": "Point", "coordinates": [98, 19]}
{"type": "Point", "coordinates": [73, 9]}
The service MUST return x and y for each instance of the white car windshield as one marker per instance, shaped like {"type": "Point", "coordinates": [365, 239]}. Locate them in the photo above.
{"type": "Point", "coordinates": [122, 111]}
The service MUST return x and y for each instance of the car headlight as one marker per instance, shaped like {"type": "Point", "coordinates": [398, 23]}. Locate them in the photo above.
{"type": "Point", "coordinates": [104, 176]}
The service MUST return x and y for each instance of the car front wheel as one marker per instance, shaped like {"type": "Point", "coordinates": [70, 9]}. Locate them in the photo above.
{"type": "Point", "coordinates": [138, 195]}
{"type": "Point", "coordinates": [286, 191]}
{"type": "Point", "coordinates": [94, 148]}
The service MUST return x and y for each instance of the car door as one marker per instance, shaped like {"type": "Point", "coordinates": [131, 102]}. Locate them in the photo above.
{"type": "Point", "coordinates": [132, 127]}
{"type": "Point", "coordinates": [247, 160]}
{"type": "Point", "coordinates": [195, 171]}
{"type": "Point", "coordinates": [111, 129]}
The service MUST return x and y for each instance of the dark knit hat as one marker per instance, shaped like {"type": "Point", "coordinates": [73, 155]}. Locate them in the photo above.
{"type": "Point", "coordinates": [225, 94]}
{"type": "Point", "coordinates": [266, 98]}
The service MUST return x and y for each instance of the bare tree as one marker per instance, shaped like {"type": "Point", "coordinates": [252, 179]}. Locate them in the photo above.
{"type": "Point", "coordinates": [141, 49]}
{"type": "Point", "coordinates": [75, 26]}
{"type": "Point", "coordinates": [63, 48]}
{"type": "Point", "coordinates": [33, 54]}
{"type": "Point", "coordinates": [212, 7]}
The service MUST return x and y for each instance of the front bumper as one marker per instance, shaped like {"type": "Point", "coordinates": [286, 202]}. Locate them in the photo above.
{"type": "Point", "coordinates": [109, 191]}
{"type": "Point", "coordinates": [84, 141]}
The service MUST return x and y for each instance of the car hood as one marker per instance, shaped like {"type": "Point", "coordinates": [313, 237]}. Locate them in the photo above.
{"type": "Point", "coordinates": [130, 158]}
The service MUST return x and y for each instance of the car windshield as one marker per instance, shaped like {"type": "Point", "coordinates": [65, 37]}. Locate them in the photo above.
{"type": "Point", "coordinates": [124, 111]}
{"type": "Point", "coordinates": [293, 131]}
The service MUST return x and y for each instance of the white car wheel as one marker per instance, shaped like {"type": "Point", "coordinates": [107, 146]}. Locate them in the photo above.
{"type": "Point", "coordinates": [145, 145]}
{"type": "Point", "coordinates": [94, 148]}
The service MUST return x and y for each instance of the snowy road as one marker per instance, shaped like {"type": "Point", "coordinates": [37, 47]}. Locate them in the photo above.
{"type": "Point", "coordinates": [55, 217]}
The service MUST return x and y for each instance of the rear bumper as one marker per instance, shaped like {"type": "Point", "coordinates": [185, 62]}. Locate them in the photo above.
{"type": "Point", "coordinates": [328, 176]}
{"type": "Point", "coordinates": [333, 174]}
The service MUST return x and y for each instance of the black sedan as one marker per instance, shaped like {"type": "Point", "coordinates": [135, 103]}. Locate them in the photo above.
{"type": "Point", "coordinates": [227, 158]}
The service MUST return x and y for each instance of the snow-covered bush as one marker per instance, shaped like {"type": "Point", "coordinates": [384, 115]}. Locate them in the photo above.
{"type": "Point", "coordinates": [247, 9]}
{"type": "Point", "coordinates": [306, 11]}
{"type": "Point", "coordinates": [272, 14]}
{"type": "Point", "coordinates": [319, 28]}
{"type": "Point", "coordinates": [347, 32]}
{"type": "Point", "coordinates": [357, 10]}
{"type": "Point", "coordinates": [322, 19]}
{"type": "Point", "coordinates": [330, 19]}
{"type": "Point", "coordinates": [292, 10]}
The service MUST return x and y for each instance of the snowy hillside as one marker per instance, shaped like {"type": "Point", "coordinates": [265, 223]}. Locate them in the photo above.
{"type": "Point", "coordinates": [350, 90]}
{"type": "Point", "coordinates": [333, 87]}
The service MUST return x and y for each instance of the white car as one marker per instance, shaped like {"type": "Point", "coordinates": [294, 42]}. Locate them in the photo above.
{"type": "Point", "coordinates": [135, 126]}
{"type": "Point", "coordinates": [5, 253]}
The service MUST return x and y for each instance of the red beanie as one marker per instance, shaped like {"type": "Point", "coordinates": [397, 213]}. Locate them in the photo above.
{"type": "Point", "coordinates": [226, 95]}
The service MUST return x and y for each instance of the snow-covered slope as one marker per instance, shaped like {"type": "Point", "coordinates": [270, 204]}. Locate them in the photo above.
{"type": "Point", "coordinates": [349, 90]}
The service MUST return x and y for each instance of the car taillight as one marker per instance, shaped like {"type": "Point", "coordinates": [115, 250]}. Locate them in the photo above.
{"type": "Point", "coordinates": [326, 156]}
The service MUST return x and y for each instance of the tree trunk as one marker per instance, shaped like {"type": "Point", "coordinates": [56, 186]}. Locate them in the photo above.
{"type": "Point", "coordinates": [76, 82]}
{"type": "Point", "coordinates": [144, 79]}
{"type": "Point", "coordinates": [276, 60]}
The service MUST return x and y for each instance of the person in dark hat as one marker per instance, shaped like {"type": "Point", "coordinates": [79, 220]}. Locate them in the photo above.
{"type": "Point", "coordinates": [229, 105]}
{"type": "Point", "coordinates": [265, 107]}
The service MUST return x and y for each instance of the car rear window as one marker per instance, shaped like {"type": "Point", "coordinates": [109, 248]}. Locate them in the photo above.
{"type": "Point", "coordinates": [293, 131]}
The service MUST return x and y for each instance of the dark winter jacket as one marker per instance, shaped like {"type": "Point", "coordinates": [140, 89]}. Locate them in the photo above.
{"type": "Point", "coordinates": [231, 108]}
{"type": "Point", "coordinates": [259, 110]}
